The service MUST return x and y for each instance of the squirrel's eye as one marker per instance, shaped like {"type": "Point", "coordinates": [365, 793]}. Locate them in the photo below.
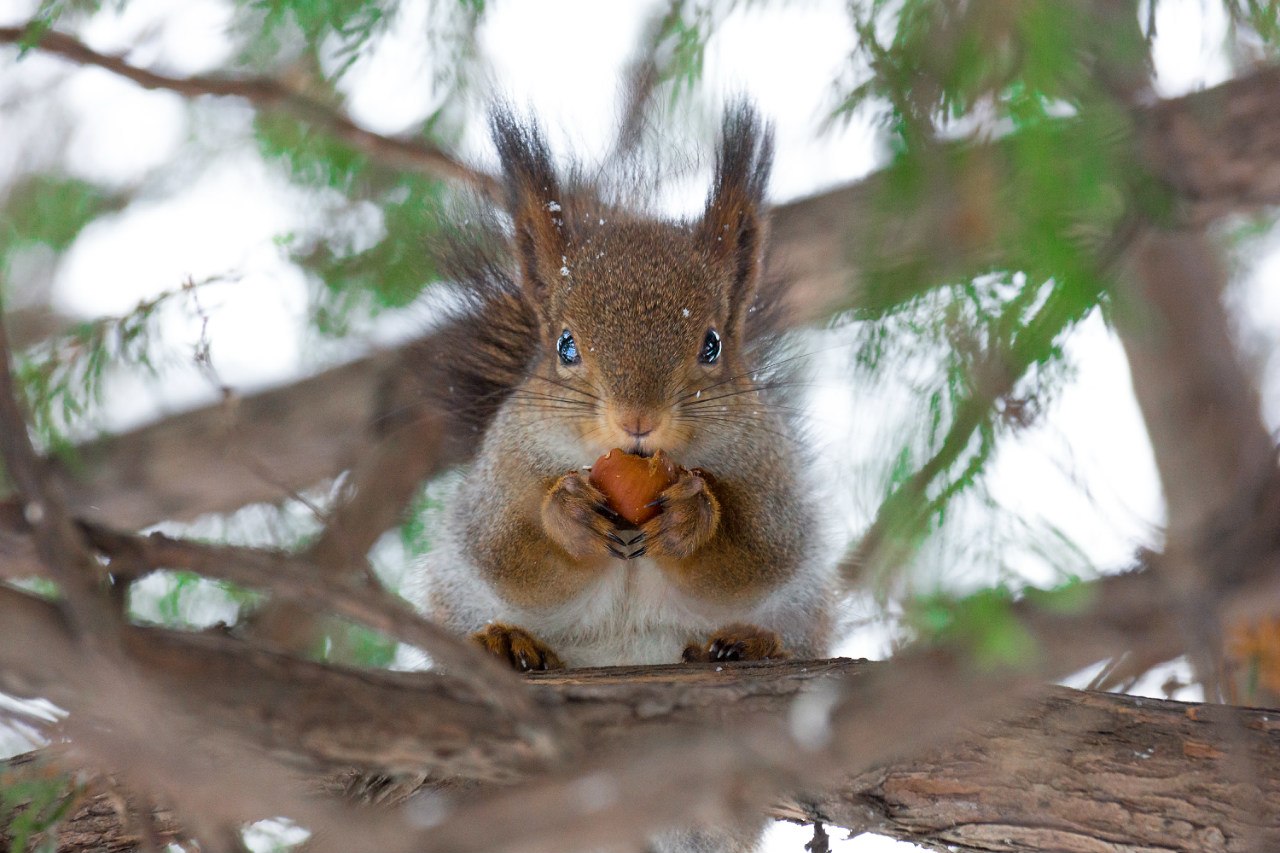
{"type": "Point", "coordinates": [567, 347]}
{"type": "Point", "coordinates": [710, 352]}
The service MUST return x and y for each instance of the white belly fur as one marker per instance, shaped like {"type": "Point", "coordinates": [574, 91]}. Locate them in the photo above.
{"type": "Point", "coordinates": [631, 615]}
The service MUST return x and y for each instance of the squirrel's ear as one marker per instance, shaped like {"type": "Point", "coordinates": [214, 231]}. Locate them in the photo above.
{"type": "Point", "coordinates": [733, 226]}
{"type": "Point", "coordinates": [533, 200]}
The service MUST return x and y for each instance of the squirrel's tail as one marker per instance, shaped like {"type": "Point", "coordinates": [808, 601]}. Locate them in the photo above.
{"type": "Point", "coordinates": [478, 352]}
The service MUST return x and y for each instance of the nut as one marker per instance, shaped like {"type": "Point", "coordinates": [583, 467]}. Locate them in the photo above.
{"type": "Point", "coordinates": [632, 483]}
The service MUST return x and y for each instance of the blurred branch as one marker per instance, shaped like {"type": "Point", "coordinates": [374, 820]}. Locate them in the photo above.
{"type": "Point", "coordinates": [246, 449]}
{"type": "Point", "coordinates": [57, 541]}
{"type": "Point", "coordinates": [1202, 413]}
{"type": "Point", "coordinates": [371, 500]}
{"type": "Point", "coordinates": [1200, 405]}
{"type": "Point", "coordinates": [266, 93]}
{"type": "Point", "coordinates": [296, 580]}
{"type": "Point", "coordinates": [82, 639]}
{"type": "Point", "coordinates": [167, 739]}
{"type": "Point", "coordinates": [1218, 150]}
{"type": "Point", "coordinates": [32, 325]}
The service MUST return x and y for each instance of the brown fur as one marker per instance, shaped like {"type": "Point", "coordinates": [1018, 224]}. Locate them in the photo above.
{"type": "Point", "coordinates": [638, 295]}
{"type": "Point", "coordinates": [523, 651]}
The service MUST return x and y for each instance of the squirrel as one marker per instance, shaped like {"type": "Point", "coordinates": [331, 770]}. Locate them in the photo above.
{"type": "Point", "coordinates": [595, 328]}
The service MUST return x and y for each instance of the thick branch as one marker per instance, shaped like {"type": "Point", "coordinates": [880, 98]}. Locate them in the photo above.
{"type": "Point", "coordinates": [425, 725]}
{"type": "Point", "coordinates": [1024, 783]}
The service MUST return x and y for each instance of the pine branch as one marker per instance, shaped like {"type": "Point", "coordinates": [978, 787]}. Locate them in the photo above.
{"type": "Point", "coordinates": [268, 94]}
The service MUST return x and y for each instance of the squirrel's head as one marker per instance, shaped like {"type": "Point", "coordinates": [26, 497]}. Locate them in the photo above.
{"type": "Point", "coordinates": [642, 323]}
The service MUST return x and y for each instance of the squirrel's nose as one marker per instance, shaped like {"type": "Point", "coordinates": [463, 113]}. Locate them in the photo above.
{"type": "Point", "coordinates": [637, 424]}
{"type": "Point", "coordinates": [638, 429]}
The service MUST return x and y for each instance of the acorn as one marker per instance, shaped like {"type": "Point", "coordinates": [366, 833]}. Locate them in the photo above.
{"type": "Point", "coordinates": [633, 483]}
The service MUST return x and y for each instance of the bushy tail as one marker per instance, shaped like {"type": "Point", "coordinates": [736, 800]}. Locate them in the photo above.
{"type": "Point", "coordinates": [481, 349]}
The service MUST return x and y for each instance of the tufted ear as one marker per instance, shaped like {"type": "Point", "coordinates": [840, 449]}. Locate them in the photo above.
{"type": "Point", "coordinates": [534, 202]}
{"type": "Point", "coordinates": [732, 228]}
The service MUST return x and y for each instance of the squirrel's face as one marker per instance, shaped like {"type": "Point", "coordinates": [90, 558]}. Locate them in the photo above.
{"type": "Point", "coordinates": [642, 321]}
{"type": "Point", "coordinates": [638, 330]}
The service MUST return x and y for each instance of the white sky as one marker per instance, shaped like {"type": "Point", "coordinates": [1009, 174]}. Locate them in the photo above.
{"type": "Point", "coordinates": [1085, 469]}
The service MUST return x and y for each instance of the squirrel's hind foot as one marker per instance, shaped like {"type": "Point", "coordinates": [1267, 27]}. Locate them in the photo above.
{"type": "Point", "coordinates": [523, 651]}
{"type": "Point", "coordinates": [738, 641]}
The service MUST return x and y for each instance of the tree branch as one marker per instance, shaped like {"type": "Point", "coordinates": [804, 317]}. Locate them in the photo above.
{"type": "Point", "coordinates": [1202, 413]}
{"type": "Point", "coordinates": [265, 93]}
{"type": "Point", "coordinates": [1021, 783]}
{"type": "Point", "coordinates": [296, 580]}
{"type": "Point", "coordinates": [57, 541]}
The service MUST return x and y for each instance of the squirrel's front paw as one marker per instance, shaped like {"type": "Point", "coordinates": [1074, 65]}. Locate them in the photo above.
{"type": "Point", "coordinates": [517, 647]}
{"type": "Point", "coordinates": [738, 641]}
{"type": "Point", "coordinates": [577, 517]}
{"type": "Point", "coordinates": [689, 518]}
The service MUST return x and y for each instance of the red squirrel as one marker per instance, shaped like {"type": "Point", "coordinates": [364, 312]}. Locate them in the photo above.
{"type": "Point", "coordinates": [597, 327]}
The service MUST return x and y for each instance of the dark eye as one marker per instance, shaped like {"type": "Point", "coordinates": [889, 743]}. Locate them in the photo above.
{"type": "Point", "coordinates": [710, 352]}
{"type": "Point", "coordinates": [568, 348]}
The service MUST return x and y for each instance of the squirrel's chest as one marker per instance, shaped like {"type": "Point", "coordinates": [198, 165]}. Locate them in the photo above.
{"type": "Point", "coordinates": [631, 615]}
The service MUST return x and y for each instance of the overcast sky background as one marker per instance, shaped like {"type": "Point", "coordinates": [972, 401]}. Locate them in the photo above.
{"type": "Point", "coordinates": [1085, 469]}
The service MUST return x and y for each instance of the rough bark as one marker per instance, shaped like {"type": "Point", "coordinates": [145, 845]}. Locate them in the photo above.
{"type": "Point", "coordinates": [1072, 771]}
{"type": "Point", "coordinates": [1082, 772]}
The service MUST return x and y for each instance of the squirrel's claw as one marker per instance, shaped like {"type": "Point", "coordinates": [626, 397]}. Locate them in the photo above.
{"type": "Point", "coordinates": [689, 518]}
{"type": "Point", "coordinates": [608, 512]}
{"type": "Point", "coordinates": [522, 650]}
{"type": "Point", "coordinates": [738, 642]}
{"type": "Point", "coordinates": [576, 517]}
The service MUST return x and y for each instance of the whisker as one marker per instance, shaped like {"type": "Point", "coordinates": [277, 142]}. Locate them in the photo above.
{"type": "Point", "coordinates": [561, 384]}
{"type": "Point", "coordinates": [524, 396]}
{"type": "Point", "coordinates": [738, 422]}
{"type": "Point", "coordinates": [763, 368]}
{"type": "Point", "coordinates": [707, 399]}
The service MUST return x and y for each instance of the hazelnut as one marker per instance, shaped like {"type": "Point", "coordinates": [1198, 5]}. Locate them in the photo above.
{"type": "Point", "coordinates": [632, 482]}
